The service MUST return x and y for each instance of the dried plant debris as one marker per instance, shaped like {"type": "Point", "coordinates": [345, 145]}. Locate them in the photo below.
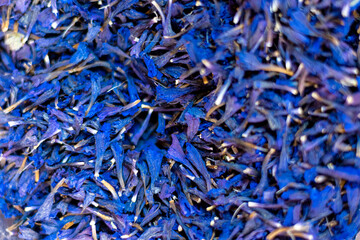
{"type": "Point", "coordinates": [180, 119]}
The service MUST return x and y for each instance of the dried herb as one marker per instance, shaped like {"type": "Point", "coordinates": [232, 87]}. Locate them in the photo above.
{"type": "Point", "coordinates": [180, 119]}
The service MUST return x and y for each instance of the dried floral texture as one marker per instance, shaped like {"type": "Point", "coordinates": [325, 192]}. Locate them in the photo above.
{"type": "Point", "coordinates": [182, 119]}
